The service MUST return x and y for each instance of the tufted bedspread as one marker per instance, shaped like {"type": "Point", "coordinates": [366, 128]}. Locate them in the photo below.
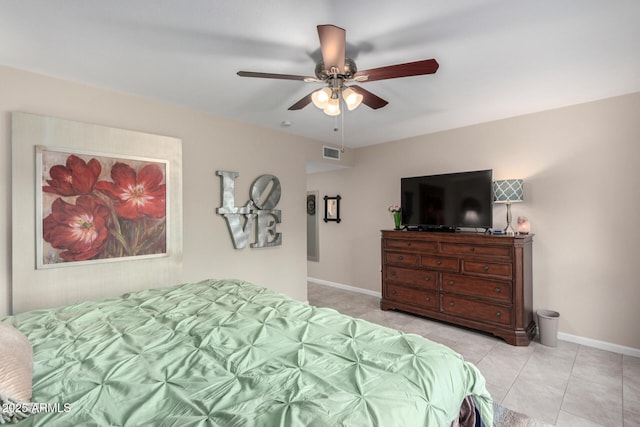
{"type": "Point", "coordinates": [229, 353]}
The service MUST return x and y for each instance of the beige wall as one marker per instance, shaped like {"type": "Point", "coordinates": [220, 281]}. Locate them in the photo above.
{"type": "Point", "coordinates": [208, 144]}
{"type": "Point", "coordinates": [580, 166]}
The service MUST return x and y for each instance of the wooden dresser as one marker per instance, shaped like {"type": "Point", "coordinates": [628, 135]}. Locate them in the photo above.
{"type": "Point", "coordinates": [475, 280]}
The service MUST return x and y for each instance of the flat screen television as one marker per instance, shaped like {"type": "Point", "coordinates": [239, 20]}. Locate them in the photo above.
{"type": "Point", "coordinates": [447, 202]}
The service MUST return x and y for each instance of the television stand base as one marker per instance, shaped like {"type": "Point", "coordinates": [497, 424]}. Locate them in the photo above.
{"type": "Point", "coordinates": [440, 229]}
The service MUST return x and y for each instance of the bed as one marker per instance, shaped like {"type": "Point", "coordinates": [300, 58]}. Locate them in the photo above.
{"type": "Point", "coordinates": [230, 353]}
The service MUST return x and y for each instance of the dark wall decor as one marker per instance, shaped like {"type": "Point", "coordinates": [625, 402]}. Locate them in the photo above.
{"type": "Point", "coordinates": [313, 244]}
{"type": "Point", "coordinates": [265, 194]}
{"type": "Point", "coordinates": [332, 209]}
{"type": "Point", "coordinates": [311, 204]}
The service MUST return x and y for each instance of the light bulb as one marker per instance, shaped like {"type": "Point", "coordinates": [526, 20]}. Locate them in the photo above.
{"type": "Point", "coordinates": [333, 107]}
{"type": "Point", "coordinates": [321, 97]}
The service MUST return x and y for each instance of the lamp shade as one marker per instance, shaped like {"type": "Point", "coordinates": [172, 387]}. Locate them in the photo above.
{"type": "Point", "coordinates": [351, 98]}
{"type": "Point", "coordinates": [320, 98]}
{"type": "Point", "coordinates": [508, 191]}
{"type": "Point", "coordinates": [333, 107]}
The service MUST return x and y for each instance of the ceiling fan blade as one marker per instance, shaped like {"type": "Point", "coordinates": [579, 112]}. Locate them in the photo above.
{"type": "Point", "coordinates": [418, 68]}
{"type": "Point", "coordinates": [302, 103]}
{"type": "Point", "coordinates": [273, 76]}
{"type": "Point", "coordinates": [333, 41]}
{"type": "Point", "coordinates": [369, 99]}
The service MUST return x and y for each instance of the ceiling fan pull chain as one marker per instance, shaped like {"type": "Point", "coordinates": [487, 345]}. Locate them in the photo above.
{"type": "Point", "coordinates": [342, 125]}
{"type": "Point", "coordinates": [341, 128]}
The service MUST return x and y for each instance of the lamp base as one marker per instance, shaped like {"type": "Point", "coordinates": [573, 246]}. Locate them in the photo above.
{"type": "Point", "coordinates": [509, 230]}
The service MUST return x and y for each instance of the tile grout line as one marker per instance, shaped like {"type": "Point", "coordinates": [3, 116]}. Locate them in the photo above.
{"type": "Point", "coordinates": [518, 376]}
{"type": "Point", "coordinates": [564, 393]}
{"type": "Point", "coordinates": [622, 391]}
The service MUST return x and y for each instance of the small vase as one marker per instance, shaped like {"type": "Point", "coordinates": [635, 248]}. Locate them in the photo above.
{"type": "Point", "coordinates": [397, 219]}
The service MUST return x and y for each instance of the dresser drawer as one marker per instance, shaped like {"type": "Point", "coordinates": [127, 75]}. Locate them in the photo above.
{"type": "Point", "coordinates": [493, 269]}
{"type": "Point", "coordinates": [420, 297]}
{"type": "Point", "coordinates": [410, 245]}
{"type": "Point", "coordinates": [421, 278]}
{"type": "Point", "coordinates": [439, 263]}
{"type": "Point", "coordinates": [500, 291]}
{"type": "Point", "coordinates": [477, 310]}
{"type": "Point", "coordinates": [399, 258]}
{"type": "Point", "coordinates": [460, 249]}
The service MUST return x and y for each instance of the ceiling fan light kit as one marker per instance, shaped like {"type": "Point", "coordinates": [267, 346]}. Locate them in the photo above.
{"type": "Point", "coordinates": [328, 100]}
{"type": "Point", "coordinates": [335, 70]}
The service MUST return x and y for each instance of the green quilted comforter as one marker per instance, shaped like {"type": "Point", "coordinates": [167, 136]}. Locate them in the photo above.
{"type": "Point", "coordinates": [229, 353]}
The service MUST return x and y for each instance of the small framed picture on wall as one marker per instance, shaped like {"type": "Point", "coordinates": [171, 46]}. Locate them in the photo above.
{"type": "Point", "coordinates": [332, 208]}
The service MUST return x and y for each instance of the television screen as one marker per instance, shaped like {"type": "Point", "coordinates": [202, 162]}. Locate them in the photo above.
{"type": "Point", "coordinates": [448, 201]}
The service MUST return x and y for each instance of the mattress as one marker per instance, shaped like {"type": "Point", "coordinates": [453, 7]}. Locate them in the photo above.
{"type": "Point", "coordinates": [230, 353]}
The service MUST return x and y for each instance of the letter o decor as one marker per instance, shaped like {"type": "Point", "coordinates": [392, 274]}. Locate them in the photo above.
{"type": "Point", "coordinates": [260, 186]}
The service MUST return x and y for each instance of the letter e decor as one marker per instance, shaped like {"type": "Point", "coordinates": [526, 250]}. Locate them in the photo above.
{"type": "Point", "coordinates": [259, 210]}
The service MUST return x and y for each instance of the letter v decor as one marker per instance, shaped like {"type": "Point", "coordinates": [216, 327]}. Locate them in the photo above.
{"type": "Point", "coordinates": [259, 210]}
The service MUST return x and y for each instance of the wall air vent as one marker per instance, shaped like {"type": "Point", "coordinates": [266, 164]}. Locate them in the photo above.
{"type": "Point", "coordinates": [330, 153]}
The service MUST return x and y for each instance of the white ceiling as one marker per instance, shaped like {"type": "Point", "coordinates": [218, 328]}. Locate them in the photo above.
{"type": "Point", "coordinates": [498, 58]}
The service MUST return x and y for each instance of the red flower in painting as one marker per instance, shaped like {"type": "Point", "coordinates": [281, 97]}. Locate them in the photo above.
{"type": "Point", "coordinates": [136, 195]}
{"type": "Point", "coordinates": [77, 177]}
{"type": "Point", "coordinates": [80, 229]}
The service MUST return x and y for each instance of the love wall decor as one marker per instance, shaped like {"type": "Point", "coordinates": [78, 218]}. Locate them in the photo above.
{"type": "Point", "coordinates": [259, 212]}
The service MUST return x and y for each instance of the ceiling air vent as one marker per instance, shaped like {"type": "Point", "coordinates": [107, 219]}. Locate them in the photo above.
{"type": "Point", "coordinates": [330, 153]}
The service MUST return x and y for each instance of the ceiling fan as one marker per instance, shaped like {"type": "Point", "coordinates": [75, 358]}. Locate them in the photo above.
{"type": "Point", "coordinates": [338, 72]}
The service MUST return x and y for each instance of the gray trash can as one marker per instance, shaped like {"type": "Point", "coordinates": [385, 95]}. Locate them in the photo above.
{"type": "Point", "coordinates": [548, 325]}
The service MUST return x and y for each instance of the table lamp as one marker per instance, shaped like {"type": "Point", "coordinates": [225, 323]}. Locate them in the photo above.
{"type": "Point", "coordinates": [508, 191]}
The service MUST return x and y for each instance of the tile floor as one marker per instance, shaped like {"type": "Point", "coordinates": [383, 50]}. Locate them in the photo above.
{"type": "Point", "coordinates": [567, 385]}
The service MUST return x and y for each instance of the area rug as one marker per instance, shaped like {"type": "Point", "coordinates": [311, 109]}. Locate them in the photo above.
{"type": "Point", "coordinates": [504, 417]}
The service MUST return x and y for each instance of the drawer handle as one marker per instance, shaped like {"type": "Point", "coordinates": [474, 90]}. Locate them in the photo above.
{"type": "Point", "coordinates": [427, 299]}
{"type": "Point", "coordinates": [393, 273]}
{"type": "Point", "coordinates": [472, 249]}
{"type": "Point", "coordinates": [393, 291]}
{"type": "Point", "coordinates": [400, 258]}
{"type": "Point", "coordinates": [409, 244]}
{"type": "Point", "coordinates": [451, 282]}
{"type": "Point", "coordinates": [497, 290]}
{"type": "Point", "coordinates": [451, 304]}
{"type": "Point", "coordinates": [498, 314]}
{"type": "Point", "coordinates": [426, 279]}
{"type": "Point", "coordinates": [438, 262]}
{"type": "Point", "coordinates": [485, 267]}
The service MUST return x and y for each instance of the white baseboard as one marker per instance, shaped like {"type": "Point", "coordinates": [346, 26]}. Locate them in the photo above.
{"type": "Point", "coordinates": [345, 287]}
{"type": "Point", "coordinates": [602, 345]}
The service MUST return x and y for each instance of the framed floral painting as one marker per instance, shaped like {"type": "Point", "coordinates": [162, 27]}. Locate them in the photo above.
{"type": "Point", "coordinates": [95, 207]}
